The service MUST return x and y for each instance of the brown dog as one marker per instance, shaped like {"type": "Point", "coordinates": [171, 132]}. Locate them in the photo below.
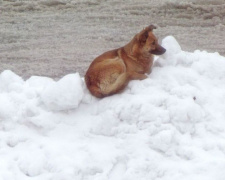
{"type": "Point", "coordinates": [110, 72]}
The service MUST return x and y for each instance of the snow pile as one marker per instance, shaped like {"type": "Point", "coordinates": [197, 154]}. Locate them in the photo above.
{"type": "Point", "coordinates": [169, 126]}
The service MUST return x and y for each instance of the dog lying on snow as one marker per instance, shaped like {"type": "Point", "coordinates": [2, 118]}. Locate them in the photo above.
{"type": "Point", "coordinates": [110, 72]}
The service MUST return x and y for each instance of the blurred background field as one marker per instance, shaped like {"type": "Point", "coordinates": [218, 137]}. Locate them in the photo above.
{"type": "Point", "coordinates": [57, 37]}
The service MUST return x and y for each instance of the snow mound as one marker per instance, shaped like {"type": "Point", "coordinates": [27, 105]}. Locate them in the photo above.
{"type": "Point", "coordinates": [168, 126]}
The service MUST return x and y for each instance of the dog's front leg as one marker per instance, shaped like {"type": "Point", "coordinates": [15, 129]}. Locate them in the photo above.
{"type": "Point", "coordinates": [137, 76]}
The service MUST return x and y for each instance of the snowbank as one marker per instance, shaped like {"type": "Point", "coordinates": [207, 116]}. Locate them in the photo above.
{"type": "Point", "coordinates": [169, 126]}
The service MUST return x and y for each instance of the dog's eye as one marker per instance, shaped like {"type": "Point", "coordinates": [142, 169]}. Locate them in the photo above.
{"type": "Point", "coordinates": [153, 43]}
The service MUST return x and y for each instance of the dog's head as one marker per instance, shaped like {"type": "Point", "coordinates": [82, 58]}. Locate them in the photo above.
{"type": "Point", "coordinates": [146, 43]}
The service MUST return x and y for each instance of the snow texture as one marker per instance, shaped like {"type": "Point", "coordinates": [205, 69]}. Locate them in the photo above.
{"type": "Point", "coordinates": [168, 126]}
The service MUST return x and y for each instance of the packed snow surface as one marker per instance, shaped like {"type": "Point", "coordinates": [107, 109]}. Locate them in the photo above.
{"type": "Point", "coordinates": [168, 126]}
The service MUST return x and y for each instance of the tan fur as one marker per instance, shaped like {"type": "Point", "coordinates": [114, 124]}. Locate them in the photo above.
{"type": "Point", "coordinates": [110, 72]}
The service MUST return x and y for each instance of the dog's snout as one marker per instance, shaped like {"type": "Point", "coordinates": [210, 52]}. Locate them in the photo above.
{"type": "Point", "coordinates": [163, 50]}
{"type": "Point", "coordinates": [159, 50]}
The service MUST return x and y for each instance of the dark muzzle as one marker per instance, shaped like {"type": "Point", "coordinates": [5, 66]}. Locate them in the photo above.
{"type": "Point", "coordinates": [159, 50]}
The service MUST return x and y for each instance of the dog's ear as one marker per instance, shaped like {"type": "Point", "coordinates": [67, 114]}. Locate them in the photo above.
{"type": "Point", "coordinates": [143, 36]}
{"type": "Point", "coordinates": [151, 27]}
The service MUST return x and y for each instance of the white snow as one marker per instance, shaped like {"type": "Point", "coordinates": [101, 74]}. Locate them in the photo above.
{"type": "Point", "coordinates": [169, 126]}
{"type": "Point", "coordinates": [65, 94]}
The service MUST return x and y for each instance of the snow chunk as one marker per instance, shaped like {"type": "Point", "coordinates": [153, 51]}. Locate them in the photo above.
{"type": "Point", "coordinates": [9, 81]}
{"type": "Point", "coordinates": [7, 107]}
{"type": "Point", "coordinates": [39, 82]}
{"type": "Point", "coordinates": [65, 94]}
{"type": "Point", "coordinates": [173, 55]}
{"type": "Point", "coordinates": [171, 45]}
